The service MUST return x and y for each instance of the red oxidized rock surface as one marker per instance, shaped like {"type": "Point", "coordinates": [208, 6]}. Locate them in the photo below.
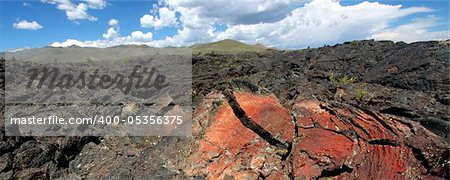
{"type": "Point", "coordinates": [228, 148]}
{"type": "Point", "coordinates": [331, 141]}
{"type": "Point", "coordinates": [344, 141]}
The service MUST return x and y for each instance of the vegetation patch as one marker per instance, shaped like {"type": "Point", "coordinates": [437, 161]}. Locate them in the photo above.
{"type": "Point", "coordinates": [351, 85]}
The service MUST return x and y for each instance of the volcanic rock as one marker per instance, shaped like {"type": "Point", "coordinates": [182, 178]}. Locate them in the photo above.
{"type": "Point", "coordinates": [323, 140]}
{"type": "Point", "coordinates": [296, 124]}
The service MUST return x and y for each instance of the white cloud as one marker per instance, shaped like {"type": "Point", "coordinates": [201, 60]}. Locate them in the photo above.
{"type": "Point", "coordinates": [27, 4]}
{"type": "Point", "coordinates": [96, 4]}
{"type": "Point", "coordinates": [283, 23]}
{"type": "Point", "coordinates": [68, 42]}
{"type": "Point", "coordinates": [110, 33]}
{"type": "Point", "coordinates": [113, 30]}
{"type": "Point", "coordinates": [418, 30]}
{"type": "Point", "coordinates": [78, 11]}
{"type": "Point", "coordinates": [280, 23]}
{"type": "Point", "coordinates": [113, 22]}
{"type": "Point", "coordinates": [189, 36]}
{"type": "Point", "coordinates": [233, 12]}
{"type": "Point", "coordinates": [139, 36]}
{"type": "Point", "coordinates": [166, 18]}
{"type": "Point", "coordinates": [111, 38]}
{"type": "Point", "coordinates": [23, 24]}
{"type": "Point", "coordinates": [321, 22]}
{"type": "Point", "coordinates": [136, 38]}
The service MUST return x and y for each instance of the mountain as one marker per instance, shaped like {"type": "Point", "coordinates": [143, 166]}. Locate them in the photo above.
{"type": "Point", "coordinates": [226, 46]}
{"type": "Point", "coordinates": [132, 46]}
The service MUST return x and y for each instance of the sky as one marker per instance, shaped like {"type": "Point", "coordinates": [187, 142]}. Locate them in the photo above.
{"type": "Point", "coordinates": [284, 24]}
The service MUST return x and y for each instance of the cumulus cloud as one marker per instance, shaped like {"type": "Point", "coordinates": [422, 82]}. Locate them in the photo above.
{"type": "Point", "coordinates": [111, 37]}
{"type": "Point", "coordinates": [110, 33]}
{"type": "Point", "coordinates": [23, 24]}
{"type": "Point", "coordinates": [166, 18]}
{"type": "Point", "coordinates": [139, 36]}
{"type": "Point", "coordinates": [78, 11]}
{"type": "Point", "coordinates": [321, 22]}
{"type": "Point", "coordinates": [96, 4]}
{"type": "Point", "coordinates": [68, 42]}
{"type": "Point", "coordinates": [232, 12]}
{"type": "Point", "coordinates": [281, 23]}
{"type": "Point", "coordinates": [113, 30]}
{"type": "Point", "coordinates": [418, 30]}
{"type": "Point", "coordinates": [135, 38]}
{"type": "Point", "coordinates": [113, 22]}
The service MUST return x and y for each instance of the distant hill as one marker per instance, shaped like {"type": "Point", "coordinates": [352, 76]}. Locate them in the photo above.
{"type": "Point", "coordinates": [131, 46]}
{"type": "Point", "coordinates": [226, 46]}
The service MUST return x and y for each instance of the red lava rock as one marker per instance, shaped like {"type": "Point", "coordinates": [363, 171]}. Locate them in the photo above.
{"type": "Point", "coordinates": [269, 113]}
{"type": "Point", "coordinates": [333, 141]}
{"type": "Point", "coordinates": [228, 148]}
{"type": "Point", "coordinates": [344, 142]}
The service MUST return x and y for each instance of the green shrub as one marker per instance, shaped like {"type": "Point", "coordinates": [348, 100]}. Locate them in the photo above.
{"type": "Point", "coordinates": [354, 43]}
{"type": "Point", "coordinates": [194, 94]}
{"type": "Point", "coordinates": [361, 91]}
{"type": "Point", "coordinates": [349, 83]}
{"type": "Point", "coordinates": [343, 81]}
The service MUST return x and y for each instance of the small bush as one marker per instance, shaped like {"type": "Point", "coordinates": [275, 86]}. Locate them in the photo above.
{"type": "Point", "coordinates": [194, 94]}
{"type": "Point", "coordinates": [361, 91]}
{"type": "Point", "coordinates": [354, 43]}
{"type": "Point", "coordinates": [343, 81]}
{"type": "Point", "coordinates": [349, 83]}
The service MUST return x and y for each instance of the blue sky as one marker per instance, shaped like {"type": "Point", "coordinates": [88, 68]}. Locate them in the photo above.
{"type": "Point", "coordinates": [288, 24]}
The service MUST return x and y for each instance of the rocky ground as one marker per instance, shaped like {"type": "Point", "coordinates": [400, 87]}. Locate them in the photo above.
{"type": "Point", "coordinates": [358, 110]}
